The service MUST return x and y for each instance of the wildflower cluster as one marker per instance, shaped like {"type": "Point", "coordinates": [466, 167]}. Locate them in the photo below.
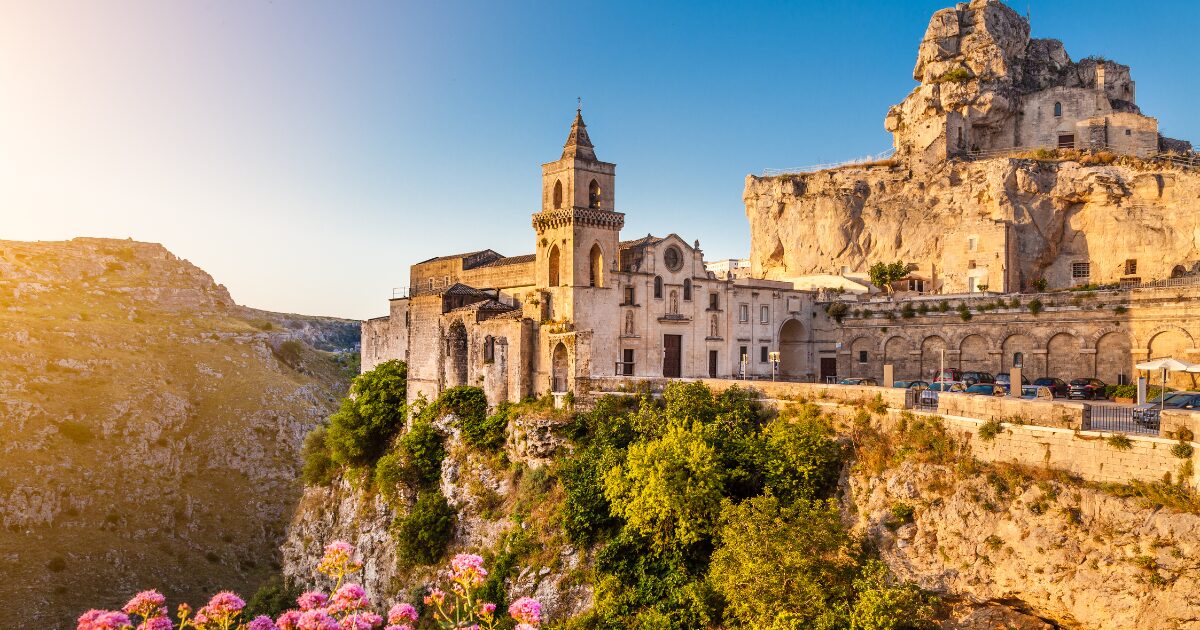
{"type": "Point", "coordinates": [347, 608]}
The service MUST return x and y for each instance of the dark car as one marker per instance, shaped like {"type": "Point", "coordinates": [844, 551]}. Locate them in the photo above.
{"type": "Point", "coordinates": [971, 378]}
{"type": "Point", "coordinates": [987, 389]}
{"type": "Point", "coordinates": [949, 374]}
{"type": "Point", "coordinates": [911, 385]}
{"type": "Point", "coordinates": [1057, 386]}
{"type": "Point", "coordinates": [1086, 388]}
{"type": "Point", "coordinates": [1003, 379]}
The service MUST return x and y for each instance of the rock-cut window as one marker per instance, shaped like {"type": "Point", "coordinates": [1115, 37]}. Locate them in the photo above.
{"type": "Point", "coordinates": [1058, 110]}
{"type": "Point", "coordinates": [558, 194]}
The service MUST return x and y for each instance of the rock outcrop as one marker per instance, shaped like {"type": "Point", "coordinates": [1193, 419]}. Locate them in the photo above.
{"type": "Point", "coordinates": [1074, 555]}
{"type": "Point", "coordinates": [151, 428]}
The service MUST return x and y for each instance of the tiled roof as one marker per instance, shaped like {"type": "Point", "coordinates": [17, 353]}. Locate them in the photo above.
{"type": "Point", "coordinates": [459, 288]}
{"type": "Point", "coordinates": [648, 239]}
{"type": "Point", "coordinates": [485, 305]}
{"type": "Point", "coordinates": [509, 260]}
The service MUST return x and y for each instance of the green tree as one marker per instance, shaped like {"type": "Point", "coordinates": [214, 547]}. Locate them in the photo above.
{"type": "Point", "coordinates": [669, 489]}
{"type": "Point", "coordinates": [368, 418]}
{"type": "Point", "coordinates": [884, 274]}
{"type": "Point", "coordinates": [881, 603]}
{"type": "Point", "coordinates": [783, 566]}
{"type": "Point", "coordinates": [800, 458]}
{"type": "Point", "coordinates": [422, 535]}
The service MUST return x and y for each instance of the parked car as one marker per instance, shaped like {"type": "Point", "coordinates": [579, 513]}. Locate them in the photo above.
{"type": "Point", "coordinates": [949, 374]}
{"type": "Point", "coordinates": [971, 378]}
{"type": "Point", "coordinates": [1086, 388]}
{"type": "Point", "coordinates": [1003, 379]}
{"type": "Point", "coordinates": [929, 395]}
{"type": "Point", "coordinates": [911, 384]}
{"type": "Point", "coordinates": [987, 389]}
{"type": "Point", "coordinates": [1037, 392]}
{"type": "Point", "coordinates": [858, 381]}
{"type": "Point", "coordinates": [1057, 386]}
{"type": "Point", "coordinates": [1146, 414]}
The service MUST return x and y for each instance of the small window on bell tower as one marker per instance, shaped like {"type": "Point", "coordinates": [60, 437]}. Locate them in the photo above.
{"type": "Point", "coordinates": [558, 195]}
{"type": "Point", "coordinates": [594, 195]}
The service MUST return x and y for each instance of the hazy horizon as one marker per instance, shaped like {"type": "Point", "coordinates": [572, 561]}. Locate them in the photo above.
{"type": "Point", "coordinates": [305, 154]}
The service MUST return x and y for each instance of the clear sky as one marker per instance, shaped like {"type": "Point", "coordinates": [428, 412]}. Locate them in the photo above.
{"type": "Point", "coordinates": [306, 153]}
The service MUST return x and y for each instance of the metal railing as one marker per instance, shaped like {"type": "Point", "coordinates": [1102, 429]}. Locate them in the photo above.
{"type": "Point", "coordinates": [425, 288]}
{"type": "Point", "coordinates": [815, 168]}
{"type": "Point", "coordinates": [1120, 419]}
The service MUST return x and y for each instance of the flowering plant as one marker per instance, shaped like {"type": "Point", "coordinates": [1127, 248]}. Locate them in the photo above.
{"type": "Point", "coordinates": [346, 609]}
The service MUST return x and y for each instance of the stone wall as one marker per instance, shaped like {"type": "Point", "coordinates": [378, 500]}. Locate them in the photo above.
{"type": "Point", "coordinates": [386, 338]}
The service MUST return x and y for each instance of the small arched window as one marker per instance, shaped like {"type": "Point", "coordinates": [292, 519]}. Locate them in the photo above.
{"type": "Point", "coordinates": [687, 290]}
{"type": "Point", "coordinates": [594, 195]}
{"type": "Point", "coordinates": [552, 267]}
{"type": "Point", "coordinates": [489, 349]}
{"type": "Point", "coordinates": [557, 195]}
{"type": "Point", "coordinates": [1018, 359]}
{"type": "Point", "coordinates": [1058, 110]}
{"type": "Point", "coordinates": [658, 287]}
{"type": "Point", "coordinates": [596, 267]}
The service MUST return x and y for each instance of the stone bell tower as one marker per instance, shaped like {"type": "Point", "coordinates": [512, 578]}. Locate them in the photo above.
{"type": "Point", "coordinates": [578, 230]}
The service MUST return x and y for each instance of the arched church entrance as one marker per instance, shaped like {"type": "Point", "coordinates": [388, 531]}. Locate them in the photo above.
{"type": "Point", "coordinates": [791, 349]}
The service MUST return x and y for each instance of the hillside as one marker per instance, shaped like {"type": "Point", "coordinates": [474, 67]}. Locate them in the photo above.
{"type": "Point", "coordinates": [151, 426]}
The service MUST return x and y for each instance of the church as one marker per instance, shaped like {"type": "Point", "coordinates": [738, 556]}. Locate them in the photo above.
{"type": "Point", "coordinates": [588, 305]}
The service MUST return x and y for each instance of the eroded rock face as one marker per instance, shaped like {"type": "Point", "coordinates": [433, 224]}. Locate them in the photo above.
{"type": "Point", "coordinates": [1052, 213]}
{"type": "Point", "coordinates": [1073, 555]}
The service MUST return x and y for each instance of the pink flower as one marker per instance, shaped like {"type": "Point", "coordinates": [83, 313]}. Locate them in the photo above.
{"type": "Point", "coordinates": [468, 569]}
{"type": "Point", "coordinates": [401, 613]}
{"type": "Point", "coordinates": [262, 622]}
{"type": "Point", "coordinates": [338, 560]}
{"type": "Point", "coordinates": [157, 623]}
{"type": "Point", "coordinates": [316, 620]}
{"type": "Point", "coordinates": [526, 611]}
{"type": "Point", "coordinates": [103, 620]}
{"type": "Point", "coordinates": [399, 627]}
{"type": "Point", "coordinates": [312, 600]}
{"type": "Point", "coordinates": [288, 620]}
{"type": "Point", "coordinates": [349, 597]}
{"type": "Point", "coordinates": [146, 604]}
{"type": "Point", "coordinates": [225, 603]}
{"type": "Point", "coordinates": [361, 621]}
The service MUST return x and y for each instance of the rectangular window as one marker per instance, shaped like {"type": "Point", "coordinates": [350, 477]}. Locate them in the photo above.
{"type": "Point", "coordinates": [862, 356]}
{"type": "Point", "coordinates": [743, 354]}
{"type": "Point", "coordinates": [1081, 270]}
{"type": "Point", "coordinates": [1131, 266]}
{"type": "Point", "coordinates": [763, 354]}
{"type": "Point", "coordinates": [629, 294]}
{"type": "Point", "coordinates": [714, 301]}
{"type": "Point", "coordinates": [764, 314]}
{"type": "Point", "coordinates": [743, 313]}
{"type": "Point", "coordinates": [627, 362]}
{"type": "Point", "coordinates": [972, 243]}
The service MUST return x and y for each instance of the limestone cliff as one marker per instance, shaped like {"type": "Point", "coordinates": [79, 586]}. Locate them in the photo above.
{"type": "Point", "coordinates": [1033, 218]}
{"type": "Point", "coordinates": [151, 427]}
{"type": "Point", "coordinates": [1077, 556]}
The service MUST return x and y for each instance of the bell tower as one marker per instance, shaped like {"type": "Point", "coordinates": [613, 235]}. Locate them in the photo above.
{"type": "Point", "coordinates": [578, 230]}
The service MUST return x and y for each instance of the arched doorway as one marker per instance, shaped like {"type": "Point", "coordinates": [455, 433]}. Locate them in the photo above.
{"type": "Point", "coordinates": [791, 349]}
{"type": "Point", "coordinates": [897, 351]}
{"type": "Point", "coordinates": [456, 353]}
{"type": "Point", "coordinates": [933, 350]}
{"type": "Point", "coordinates": [558, 366]}
{"type": "Point", "coordinates": [1063, 359]}
{"type": "Point", "coordinates": [1114, 357]}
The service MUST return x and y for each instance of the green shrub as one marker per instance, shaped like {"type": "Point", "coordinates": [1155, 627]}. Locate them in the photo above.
{"type": "Point", "coordinates": [318, 466]}
{"type": "Point", "coordinates": [1035, 306]}
{"type": "Point", "coordinates": [907, 311]}
{"type": "Point", "coordinates": [468, 403]}
{"type": "Point", "coordinates": [881, 603]}
{"type": "Point", "coordinates": [1182, 450]}
{"type": "Point", "coordinates": [1039, 285]}
{"type": "Point", "coordinates": [837, 311]}
{"type": "Point", "coordinates": [902, 513]}
{"type": "Point", "coordinates": [585, 513]}
{"type": "Point", "coordinates": [1119, 442]}
{"type": "Point", "coordinates": [361, 429]}
{"type": "Point", "coordinates": [289, 352]}
{"type": "Point", "coordinates": [390, 472]}
{"type": "Point", "coordinates": [990, 429]}
{"type": "Point", "coordinates": [272, 598]}
{"type": "Point", "coordinates": [957, 75]}
{"type": "Point", "coordinates": [487, 433]}
{"type": "Point", "coordinates": [943, 306]}
{"type": "Point", "coordinates": [420, 452]}
{"type": "Point", "coordinates": [423, 534]}
{"type": "Point", "coordinates": [964, 312]}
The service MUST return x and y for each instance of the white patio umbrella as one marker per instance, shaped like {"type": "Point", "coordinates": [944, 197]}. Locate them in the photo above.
{"type": "Point", "coordinates": [1167, 364]}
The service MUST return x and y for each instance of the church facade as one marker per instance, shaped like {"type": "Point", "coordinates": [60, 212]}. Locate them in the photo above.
{"type": "Point", "coordinates": [587, 304]}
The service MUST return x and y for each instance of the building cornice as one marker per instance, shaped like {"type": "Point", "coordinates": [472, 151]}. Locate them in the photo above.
{"type": "Point", "coordinates": [564, 217]}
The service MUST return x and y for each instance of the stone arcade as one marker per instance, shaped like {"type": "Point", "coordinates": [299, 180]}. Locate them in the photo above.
{"type": "Point", "coordinates": [587, 304]}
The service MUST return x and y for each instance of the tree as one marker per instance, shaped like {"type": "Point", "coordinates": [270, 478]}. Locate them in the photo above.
{"type": "Point", "coordinates": [883, 274]}
{"type": "Point", "coordinates": [669, 489]}
{"type": "Point", "coordinates": [370, 416]}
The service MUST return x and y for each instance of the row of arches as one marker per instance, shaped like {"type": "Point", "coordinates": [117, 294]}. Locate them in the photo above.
{"type": "Point", "coordinates": [595, 195]}
{"type": "Point", "coordinates": [1065, 354]}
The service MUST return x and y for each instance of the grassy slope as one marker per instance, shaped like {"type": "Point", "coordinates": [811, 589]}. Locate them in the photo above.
{"type": "Point", "coordinates": [150, 431]}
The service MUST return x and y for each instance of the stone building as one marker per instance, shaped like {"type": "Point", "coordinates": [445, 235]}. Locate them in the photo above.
{"type": "Point", "coordinates": [586, 304]}
{"type": "Point", "coordinates": [987, 86]}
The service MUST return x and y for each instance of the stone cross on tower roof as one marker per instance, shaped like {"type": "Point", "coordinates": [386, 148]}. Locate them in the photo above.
{"type": "Point", "coordinates": [578, 144]}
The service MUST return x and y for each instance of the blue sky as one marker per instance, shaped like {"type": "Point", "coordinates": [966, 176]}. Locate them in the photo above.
{"type": "Point", "coordinates": [306, 153]}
